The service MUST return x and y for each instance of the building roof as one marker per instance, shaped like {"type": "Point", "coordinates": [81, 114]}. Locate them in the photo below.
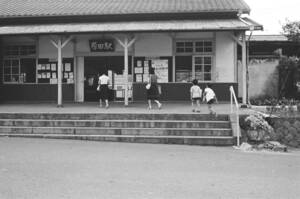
{"type": "Point", "coordinates": [133, 26]}
{"type": "Point", "coordinates": [268, 38]}
{"type": "Point", "coordinates": [46, 8]}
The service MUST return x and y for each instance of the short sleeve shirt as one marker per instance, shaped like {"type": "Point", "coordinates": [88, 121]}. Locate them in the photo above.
{"type": "Point", "coordinates": [209, 94]}
{"type": "Point", "coordinates": [103, 79]}
{"type": "Point", "coordinates": [196, 91]}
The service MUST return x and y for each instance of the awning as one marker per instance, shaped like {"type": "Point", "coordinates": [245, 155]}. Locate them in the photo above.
{"type": "Point", "coordinates": [134, 26]}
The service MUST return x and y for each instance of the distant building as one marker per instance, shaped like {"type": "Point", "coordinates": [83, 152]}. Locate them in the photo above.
{"type": "Point", "coordinates": [263, 56]}
{"type": "Point", "coordinates": [266, 46]}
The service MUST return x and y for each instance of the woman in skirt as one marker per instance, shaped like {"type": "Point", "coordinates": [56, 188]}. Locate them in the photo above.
{"type": "Point", "coordinates": [153, 93]}
{"type": "Point", "coordinates": [104, 91]}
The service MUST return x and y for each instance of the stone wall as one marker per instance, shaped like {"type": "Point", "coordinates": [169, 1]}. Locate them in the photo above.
{"type": "Point", "coordinates": [287, 130]}
{"type": "Point", "coordinates": [263, 78]}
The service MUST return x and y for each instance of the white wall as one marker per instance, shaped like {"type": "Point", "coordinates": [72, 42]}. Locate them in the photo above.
{"type": "Point", "coordinates": [225, 58]}
{"type": "Point", "coordinates": [48, 50]}
{"type": "Point", "coordinates": [263, 78]}
{"type": "Point", "coordinates": [153, 45]}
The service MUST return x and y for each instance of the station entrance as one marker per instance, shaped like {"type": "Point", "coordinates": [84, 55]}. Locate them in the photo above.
{"type": "Point", "coordinates": [113, 66]}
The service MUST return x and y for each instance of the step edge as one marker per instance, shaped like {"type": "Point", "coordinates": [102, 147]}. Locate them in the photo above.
{"type": "Point", "coordinates": [129, 136]}
{"type": "Point", "coordinates": [158, 121]}
{"type": "Point", "coordinates": [112, 128]}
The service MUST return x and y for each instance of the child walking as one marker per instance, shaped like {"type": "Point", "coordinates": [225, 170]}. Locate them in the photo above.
{"type": "Point", "coordinates": [210, 97]}
{"type": "Point", "coordinates": [196, 95]}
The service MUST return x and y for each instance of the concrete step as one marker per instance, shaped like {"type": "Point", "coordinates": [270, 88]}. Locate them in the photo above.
{"type": "Point", "coordinates": [116, 131]}
{"type": "Point", "coordinates": [116, 123]}
{"type": "Point", "coordinates": [196, 129]}
{"type": "Point", "coordinates": [188, 140]}
{"type": "Point", "coordinates": [113, 116]}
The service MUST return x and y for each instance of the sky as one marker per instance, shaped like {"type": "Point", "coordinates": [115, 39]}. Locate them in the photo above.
{"type": "Point", "coordinates": [272, 14]}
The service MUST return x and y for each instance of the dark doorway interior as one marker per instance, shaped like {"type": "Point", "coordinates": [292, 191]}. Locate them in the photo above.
{"type": "Point", "coordinates": [95, 66]}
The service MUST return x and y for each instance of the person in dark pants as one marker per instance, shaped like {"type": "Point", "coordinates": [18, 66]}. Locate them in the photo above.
{"type": "Point", "coordinates": [103, 89]}
{"type": "Point", "coordinates": [153, 93]}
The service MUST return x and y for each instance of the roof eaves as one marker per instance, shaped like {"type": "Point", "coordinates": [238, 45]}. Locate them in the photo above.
{"type": "Point", "coordinates": [237, 11]}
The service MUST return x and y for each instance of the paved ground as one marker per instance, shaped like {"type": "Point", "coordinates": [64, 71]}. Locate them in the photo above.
{"type": "Point", "coordinates": [92, 107]}
{"type": "Point", "coordinates": [60, 169]}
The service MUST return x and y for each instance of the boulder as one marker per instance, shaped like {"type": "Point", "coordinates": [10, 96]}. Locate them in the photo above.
{"type": "Point", "coordinates": [275, 146]}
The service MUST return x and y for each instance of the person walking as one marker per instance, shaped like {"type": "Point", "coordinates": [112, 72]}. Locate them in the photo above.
{"type": "Point", "coordinates": [196, 95]}
{"type": "Point", "coordinates": [210, 97]}
{"type": "Point", "coordinates": [103, 89]}
{"type": "Point", "coordinates": [153, 92]}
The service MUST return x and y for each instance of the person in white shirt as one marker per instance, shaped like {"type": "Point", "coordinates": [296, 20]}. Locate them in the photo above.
{"type": "Point", "coordinates": [210, 98]}
{"type": "Point", "coordinates": [103, 88]}
{"type": "Point", "coordinates": [196, 95]}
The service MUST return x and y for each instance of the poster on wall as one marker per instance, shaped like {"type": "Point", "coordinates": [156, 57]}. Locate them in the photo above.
{"type": "Point", "coordinates": [53, 67]}
{"type": "Point", "coordinates": [146, 63]}
{"type": "Point", "coordinates": [139, 63]}
{"type": "Point", "coordinates": [67, 67]}
{"type": "Point", "coordinates": [139, 78]}
{"type": "Point", "coordinates": [146, 77]}
{"type": "Point", "coordinates": [161, 69]}
{"type": "Point", "coordinates": [138, 70]}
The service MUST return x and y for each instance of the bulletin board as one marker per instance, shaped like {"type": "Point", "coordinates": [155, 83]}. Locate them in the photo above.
{"type": "Point", "coordinates": [161, 66]}
{"type": "Point", "coordinates": [47, 71]}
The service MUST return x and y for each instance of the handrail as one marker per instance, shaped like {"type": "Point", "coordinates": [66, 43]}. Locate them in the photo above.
{"type": "Point", "coordinates": [233, 97]}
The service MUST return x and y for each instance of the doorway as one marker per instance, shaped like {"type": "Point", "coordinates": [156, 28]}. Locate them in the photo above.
{"type": "Point", "coordinates": [95, 66]}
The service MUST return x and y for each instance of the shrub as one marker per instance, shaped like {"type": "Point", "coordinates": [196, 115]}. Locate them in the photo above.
{"type": "Point", "coordinates": [257, 128]}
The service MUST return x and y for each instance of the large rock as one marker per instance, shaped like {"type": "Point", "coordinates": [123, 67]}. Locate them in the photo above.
{"type": "Point", "coordinates": [275, 146]}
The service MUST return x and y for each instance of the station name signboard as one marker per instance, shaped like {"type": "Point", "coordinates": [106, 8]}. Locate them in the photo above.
{"type": "Point", "coordinates": [102, 45]}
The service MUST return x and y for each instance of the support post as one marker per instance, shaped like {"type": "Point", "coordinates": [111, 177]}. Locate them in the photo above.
{"type": "Point", "coordinates": [244, 71]}
{"type": "Point", "coordinates": [59, 45]}
{"type": "Point", "coordinates": [59, 73]}
{"type": "Point", "coordinates": [126, 44]}
{"type": "Point", "coordinates": [126, 70]}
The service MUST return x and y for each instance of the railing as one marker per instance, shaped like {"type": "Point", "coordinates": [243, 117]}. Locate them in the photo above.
{"type": "Point", "coordinates": [234, 100]}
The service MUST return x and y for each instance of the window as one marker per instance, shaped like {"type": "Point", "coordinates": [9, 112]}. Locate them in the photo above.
{"type": "Point", "coordinates": [17, 70]}
{"type": "Point", "coordinates": [184, 47]}
{"type": "Point", "coordinates": [203, 46]}
{"type": "Point", "coordinates": [19, 63]}
{"type": "Point", "coordinates": [194, 59]}
{"type": "Point", "coordinates": [203, 68]}
{"type": "Point", "coordinates": [183, 68]}
{"type": "Point", "coordinates": [11, 70]}
{"type": "Point", "coordinates": [198, 46]}
{"type": "Point", "coordinates": [17, 50]}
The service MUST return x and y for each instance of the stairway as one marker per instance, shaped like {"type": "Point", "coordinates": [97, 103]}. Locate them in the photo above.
{"type": "Point", "coordinates": [193, 129]}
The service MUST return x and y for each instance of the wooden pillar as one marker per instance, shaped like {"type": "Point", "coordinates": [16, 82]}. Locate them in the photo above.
{"type": "Point", "coordinates": [126, 70]}
{"type": "Point", "coordinates": [126, 44]}
{"type": "Point", "coordinates": [244, 70]}
{"type": "Point", "coordinates": [59, 45]}
{"type": "Point", "coordinates": [59, 73]}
